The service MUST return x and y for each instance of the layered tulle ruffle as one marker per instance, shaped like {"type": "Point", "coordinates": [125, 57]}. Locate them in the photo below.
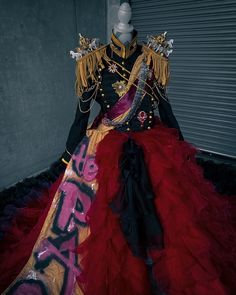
{"type": "Point", "coordinates": [199, 237]}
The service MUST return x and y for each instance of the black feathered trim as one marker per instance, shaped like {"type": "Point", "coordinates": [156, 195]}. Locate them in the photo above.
{"type": "Point", "coordinates": [19, 195]}
{"type": "Point", "coordinates": [134, 203]}
{"type": "Point", "coordinates": [223, 176]}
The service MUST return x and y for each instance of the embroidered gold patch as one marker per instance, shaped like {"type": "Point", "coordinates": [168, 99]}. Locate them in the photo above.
{"type": "Point", "coordinates": [120, 87]}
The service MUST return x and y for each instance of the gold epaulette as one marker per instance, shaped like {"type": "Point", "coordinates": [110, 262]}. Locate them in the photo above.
{"type": "Point", "coordinates": [88, 61]}
{"type": "Point", "coordinates": [87, 69]}
{"type": "Point", "coordinates": [159, 63]}
{"type": "Point", "coordinates": [156, 51]}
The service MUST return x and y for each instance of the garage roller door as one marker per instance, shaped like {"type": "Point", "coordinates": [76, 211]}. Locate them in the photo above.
{"type": "Point", "coordinates": [202, 88]}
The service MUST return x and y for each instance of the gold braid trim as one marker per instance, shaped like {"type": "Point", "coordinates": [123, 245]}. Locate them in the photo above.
{"type": "Point", "coordinates": [135, 70]}
{"type": "Point", "coordinates": [87, 68]}
{"type": "Point", "coordinates": [160, 65]}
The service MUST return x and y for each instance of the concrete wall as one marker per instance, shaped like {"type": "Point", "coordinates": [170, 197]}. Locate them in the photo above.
{"type": "Point", "coordinates": [112, 18]}
{"type": "Point", "coordinates": [37, 101]}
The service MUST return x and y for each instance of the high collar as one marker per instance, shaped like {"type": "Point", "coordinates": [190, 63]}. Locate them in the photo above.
{"type": "Point", "coordinates": [122, 50]}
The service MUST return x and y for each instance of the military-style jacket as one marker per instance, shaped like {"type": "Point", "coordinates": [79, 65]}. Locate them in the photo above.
{"type": "Point", "coordinates": [107, 73]}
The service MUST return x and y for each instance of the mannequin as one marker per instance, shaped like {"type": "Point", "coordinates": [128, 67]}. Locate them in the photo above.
{"type": "Point", "coordinates": [133, 213]}
{"type": "Point", "coordinates": [123, 30]}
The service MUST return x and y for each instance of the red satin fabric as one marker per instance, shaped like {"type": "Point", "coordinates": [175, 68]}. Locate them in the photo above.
{"type": "Point", "coordinates": [199, 255]}
{"type": "Point", "coordinates": [17, 245]}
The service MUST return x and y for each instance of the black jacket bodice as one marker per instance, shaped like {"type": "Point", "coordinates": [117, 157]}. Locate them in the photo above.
{"type": "Point", "coordinates": [107, 95]}
{"type": "Point", "coordinates": [110, 97]}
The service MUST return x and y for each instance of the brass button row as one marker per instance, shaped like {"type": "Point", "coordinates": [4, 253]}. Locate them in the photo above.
{"type": "Point", "coordinates": [123, 69]}
{"type": "Point", "coordinates": [150, 116]}
{"type": "Point", "coordinates": [101, 90]}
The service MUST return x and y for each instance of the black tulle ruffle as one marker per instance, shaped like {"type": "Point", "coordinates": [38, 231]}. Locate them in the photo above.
{"type": "Point", "coordinates": [139, 220]}
{"type": "Point", "coordinates": [222, 175]}
{"type": "Point", "coordinates": [19, 195]}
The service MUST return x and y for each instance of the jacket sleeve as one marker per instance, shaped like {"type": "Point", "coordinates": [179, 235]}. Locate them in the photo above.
{"type": "Point", "coordinates": [165, 110]}
{"type": "Point", "coordinates": [78, 127]}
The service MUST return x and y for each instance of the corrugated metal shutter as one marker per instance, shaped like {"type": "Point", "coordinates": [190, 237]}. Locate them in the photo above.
{"type": "Point", "coordinates": [202, 88]}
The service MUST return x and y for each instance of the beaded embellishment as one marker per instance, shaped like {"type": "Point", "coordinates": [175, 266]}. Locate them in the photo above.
{"type": "Point", "coordinates": [112, 68]}
{"type": "Point", "coordinates": [120, 87]}
{"type": "Point", "coordinates": [160, 44]}
{"type": "Point", "coordinates": [136, 101]}
{"type": "Point", "coordinates": [87, 45]}
{"type": "Point", "coordinates": [142, 117]}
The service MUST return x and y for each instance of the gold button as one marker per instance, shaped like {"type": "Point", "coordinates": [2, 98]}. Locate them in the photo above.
{"type": "Point", "coordinates": [99, 77]}
{"type": "Point", "coordinates": [103, 94]}
{"type": "Point", "coordinates": [123, 62]}
{"type": "Point", "coordinates": [128, 129]}
{"type": "Point", "coordinates": [99, 69]}
{"type": "Point", "coordinates": [124, 75]}
{"type": "Point", "coordinates": [100, 89]}
{"type": "Point", "coordinates": [150, 117]}
{"type": "Point", "coordinates": [152, 99]}
{"type": "Point", "coordinates": [149, 127]}
{"type": "Point", "coordinates": [108, 106]}
{"type": "Point", "coordinates": [149, 121]}
{"type": "Point", "coordinates": [127, 123]}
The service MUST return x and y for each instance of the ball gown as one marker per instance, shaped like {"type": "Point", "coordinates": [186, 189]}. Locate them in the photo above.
{"type": "Point", "coordinates": [131, 212]}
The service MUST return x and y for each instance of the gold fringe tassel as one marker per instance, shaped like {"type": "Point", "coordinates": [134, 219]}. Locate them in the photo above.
{"type": "Point", "coordinates": [160, 65]}
{"type": "Point", "coordinates": [87, 69]}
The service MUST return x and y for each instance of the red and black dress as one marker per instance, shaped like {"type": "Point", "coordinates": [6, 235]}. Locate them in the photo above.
{"type": "Point", "coordinates": [132, 213]}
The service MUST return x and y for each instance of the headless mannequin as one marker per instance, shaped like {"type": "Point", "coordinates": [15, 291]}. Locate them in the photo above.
{"type": "Point", "coordinates": [123, 30]}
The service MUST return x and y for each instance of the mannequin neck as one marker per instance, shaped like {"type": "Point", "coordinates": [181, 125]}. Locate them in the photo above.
{"type": "Point", "coordinates": [124, 37]}
{"type": "Point", "coordinates": [124, 44]}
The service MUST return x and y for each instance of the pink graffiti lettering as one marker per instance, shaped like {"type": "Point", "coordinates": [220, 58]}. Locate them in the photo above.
{"type": "Point", "coordinates": [46, 249]}
{"type": "Point", "coordinates": [72, 195]}
{"type": "Point", "coordinates": [90, 169]}
{"type": "Point", "coordinates": [85, 165]}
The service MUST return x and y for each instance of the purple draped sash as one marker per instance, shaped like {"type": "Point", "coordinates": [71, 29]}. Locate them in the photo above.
{"type": "Point", "coordinates": [119, 108]}
{"type": "Point", "coordinates": [122, 105]}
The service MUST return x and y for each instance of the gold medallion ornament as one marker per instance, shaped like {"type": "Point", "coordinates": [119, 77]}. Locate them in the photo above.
{"type": "Point", "coordinates": [120, 87]}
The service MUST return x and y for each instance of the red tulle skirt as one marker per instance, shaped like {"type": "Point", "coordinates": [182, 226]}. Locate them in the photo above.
{"type": "Point", "coordinates": [199, 235]}
{"type": "Point", "coordinates": [199, 254]}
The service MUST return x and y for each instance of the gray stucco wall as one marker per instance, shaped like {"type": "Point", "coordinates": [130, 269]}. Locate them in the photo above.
{"type": "Point", "coordinates": [37, 101]}
{"type": "Point", "coordinates": [112, 18]}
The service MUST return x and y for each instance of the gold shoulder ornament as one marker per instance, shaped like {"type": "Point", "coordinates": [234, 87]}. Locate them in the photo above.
{"type": "Point", "coordinates": [156, 52]}
{"type": "Point", "coordinates": [88, 58]}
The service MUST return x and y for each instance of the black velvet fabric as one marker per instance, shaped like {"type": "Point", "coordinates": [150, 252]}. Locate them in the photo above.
{"type": "Point", "coordinates": [165, 111]}
{"type": "Point", "coordinates": [19, 195]}
{"type": "Point", "coordinates": [106, 96]}
{"type": "Point", "coordinates": [134, 203]}
{"type": "Point", "coordinates": [78, 127]}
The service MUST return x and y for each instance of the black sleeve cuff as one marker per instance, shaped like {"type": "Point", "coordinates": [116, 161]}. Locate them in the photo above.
{"type": "Point", "coordinates": [65, 157]}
